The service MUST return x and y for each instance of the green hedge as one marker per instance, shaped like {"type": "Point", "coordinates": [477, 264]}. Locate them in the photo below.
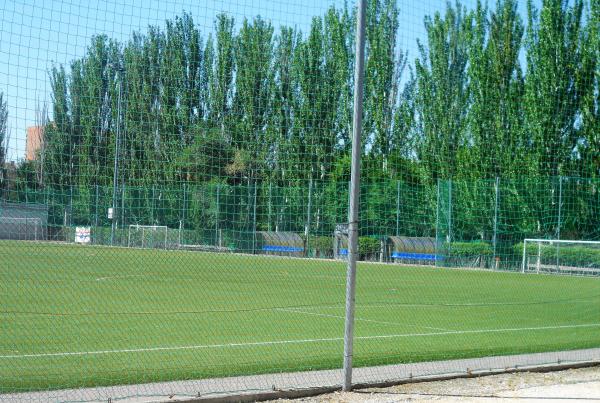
{"type": "Point", "coordinates": [468, 249]}
{"type": "Point", "coordinates": [322, 246]}
{"type": "Point", "coordinates": [368, 246]}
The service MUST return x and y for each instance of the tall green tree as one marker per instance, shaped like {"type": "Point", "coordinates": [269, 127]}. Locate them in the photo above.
{"type": "Point", "coordinates": [253, 101]}
{"type": "Point", "coordinates": [589, 146]}
{"type": "Point", "coordinates": [221, 77]}
{"type": "Point", "coordinates": [56, 161]}
{"type": "Point", "coordinates": [554, 86]}
{"type": "Point", "coordinates": [284, 103]}
{"type": "Point", "coordinates": [495, 115]}
{"type": "Point", "coordinates": [320, 63]}
{"type": "Point", "coordinates": [384, 65]}
{"type": "Point", "coordinates": [442, 95]}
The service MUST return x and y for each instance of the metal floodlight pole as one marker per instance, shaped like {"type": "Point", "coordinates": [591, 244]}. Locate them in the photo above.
{"type": "Point", "coordinates": [359, 69]}
{"type": "Point", "coordinates": [116, 162]}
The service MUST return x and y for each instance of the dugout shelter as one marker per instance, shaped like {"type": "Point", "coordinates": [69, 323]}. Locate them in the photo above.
{"type": "Point", "coordinates": [279, 243]}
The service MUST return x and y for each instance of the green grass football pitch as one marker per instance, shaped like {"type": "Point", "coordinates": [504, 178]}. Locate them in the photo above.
{"type": "Point", "coordinates": [74, 316]}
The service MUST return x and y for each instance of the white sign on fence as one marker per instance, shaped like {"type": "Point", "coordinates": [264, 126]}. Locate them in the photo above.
{"type": "Point", "coordinates": [341, 229]}
{"type": "Point", "coordinates": [83, 234]}
{"type": "Point", "coordinates": [110, 213]}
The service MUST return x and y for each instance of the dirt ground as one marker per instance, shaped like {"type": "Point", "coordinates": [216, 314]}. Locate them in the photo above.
{"type": "Point", "coordinates": [576, 385]}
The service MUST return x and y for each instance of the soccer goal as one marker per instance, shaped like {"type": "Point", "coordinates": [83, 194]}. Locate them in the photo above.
{"type": "Point", "coordinates": [147, 236]}
{"type": "Point", "coordinates": [21, 228]}
{"type": "Point", "coordinates": [561, 257]}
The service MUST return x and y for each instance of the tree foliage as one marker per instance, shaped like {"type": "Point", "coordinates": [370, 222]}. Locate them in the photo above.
{"type": "Point", "coordinates": [490, 94]}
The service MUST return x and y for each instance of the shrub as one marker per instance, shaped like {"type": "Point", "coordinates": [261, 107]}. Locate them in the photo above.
{"type": "Point", "coordinates": [468, 249]}
{"type": "Point", "coordinates": [322, 245]}
{"type": "Point", "coordinates": [368, 246]}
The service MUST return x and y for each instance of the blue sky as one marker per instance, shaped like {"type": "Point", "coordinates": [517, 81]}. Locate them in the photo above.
{"type": "Point", "coordinates": [35, 34]}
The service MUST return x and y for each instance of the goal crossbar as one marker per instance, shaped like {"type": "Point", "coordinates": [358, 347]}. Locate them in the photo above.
{"type": "Point", "coordinates": [550, 242]}
{"type": "Point", "coordinates": [566, 241]}
{"type": "Point", "coordinates": [143, 228]}
{"type": "Point", "coordinates": [35, 221]}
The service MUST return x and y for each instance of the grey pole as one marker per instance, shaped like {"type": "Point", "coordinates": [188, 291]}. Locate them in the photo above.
{"type": "Point", "coordinates": [95, 210]}
{"type": "Point", "coordinates": [122, 203]}
{"type": "Point", "coordinates": [254, 222]}
{"type": "Point", "coordinates": [270, 206]}
{"type": "Point", "coordinates": [437, 223]}
{"type": "Point", "coordinates": [449, 212]}
{"type": "Point", "coordinates": [495, 238]}
{"type": "Point", "coordinates": [183, 211]}
{"type": "Point", "coordinates": [217, 214]}
{"type": "Point", "coordinates": [71, 204]}
{"type": "Point", "coordinates": [152, 209]}
{"type": "Point", "coordinates": [359, 70]}
{"type": "Point", "coordinates": [116, 162]}
{"type": "Point", "coordinates": [559, 207]}
{"type": "Point", "coordinates": [398, 209]}
{"type": "Point", "coordinates": [559, 222]}
{"type": "Point", "coordinates": [308, 214]}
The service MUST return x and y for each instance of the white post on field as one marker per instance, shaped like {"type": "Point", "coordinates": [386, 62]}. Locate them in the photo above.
{"type": "Point", "coordinates": [359, 70]}
{"type": "Point", "coordinates": [524, 262]}
{"type": "Point", "coordinates": [539, 257]}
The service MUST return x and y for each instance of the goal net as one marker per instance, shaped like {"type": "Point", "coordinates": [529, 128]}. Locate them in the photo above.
{"type": "Point", "coordinates": [21, 228]}
{"type": "Point", "coordinates": [147, 236]}
{"type": "Point", "coordinates": [561, 256]}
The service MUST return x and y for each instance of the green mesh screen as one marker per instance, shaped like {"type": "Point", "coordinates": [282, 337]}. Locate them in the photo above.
{"type": "Point", "coordinates": [174, 191]}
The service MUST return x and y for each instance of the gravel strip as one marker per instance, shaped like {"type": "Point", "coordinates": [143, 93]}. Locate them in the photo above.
{"type": "Point", "coordinates": [570, 385]}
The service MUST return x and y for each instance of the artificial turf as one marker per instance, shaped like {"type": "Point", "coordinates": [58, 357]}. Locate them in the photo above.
{"type": "Point", "coordinates": [74, 316]}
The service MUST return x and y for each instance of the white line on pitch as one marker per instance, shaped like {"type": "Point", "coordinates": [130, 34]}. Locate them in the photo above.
{"type": "Point", "coordinates": [121, 276]}
{"type": "Point", "coordinates": [300, 341]}
{"type": "Point", "coordinates": [359, 319]}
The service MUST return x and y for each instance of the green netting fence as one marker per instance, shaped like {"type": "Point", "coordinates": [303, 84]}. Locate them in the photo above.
{"type": "Point", "coordinates": [475, 223]}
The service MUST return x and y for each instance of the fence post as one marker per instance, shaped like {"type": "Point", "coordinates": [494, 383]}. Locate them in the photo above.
{"type": "Point", "coordinates": [270, 206]}
{"type": "Point", "coordinates": [355, 194]}
{"type": "Point", "coordinates": [116, 159]}
{"type": "Point", "coordinates": [183, 211]}
{"type": "Point", "coordinates": [559, 207]}
{"type": "Point", "coordinates": [495, 237]}
{"type": "Point", "coordinates": [398, 208]}
{"type": "Point", "coordinates": [254, 221]}
{"type": "Point", "coordinates": [217, 215]}
{"type": "Point", "coordinates": [71, 205]}
{"type": "Point", "coordinates": [96, 209]}
{"type": "Point", "coordinates": [152, 209]}
{"type": "Point", "coordinates": [559, 222]}
{"type": "Point", "coordinates": [122, 210]}
{"type": "Point", "coordinates": [449, 235]}
{"type": "Point", "coordinates": [308, 214]}
{"type": "Point", "coordinates": [437, 223]}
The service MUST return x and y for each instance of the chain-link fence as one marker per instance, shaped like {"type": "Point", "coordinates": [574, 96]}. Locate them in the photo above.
{"type": "Point", "coordinates": [176, 182]}
{"type": "Point", "coordinates": [474, 223]}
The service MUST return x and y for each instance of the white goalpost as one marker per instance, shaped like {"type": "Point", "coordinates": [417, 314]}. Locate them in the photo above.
{"type": "Point", "coordinates": [561, 256]}
{"type": "Point", "coordinates": [24, 228]}
{"type": "Point", "coordinates": [147, 236]}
